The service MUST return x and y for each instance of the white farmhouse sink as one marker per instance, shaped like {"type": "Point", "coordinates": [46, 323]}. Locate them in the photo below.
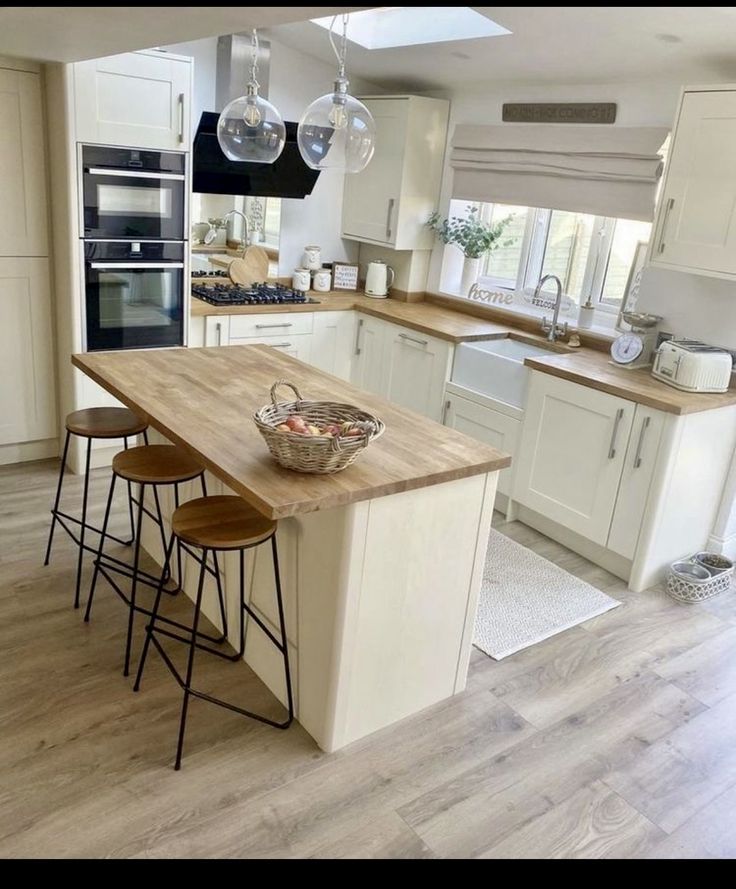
{"type": "Point", "coordinates": [495, 368]}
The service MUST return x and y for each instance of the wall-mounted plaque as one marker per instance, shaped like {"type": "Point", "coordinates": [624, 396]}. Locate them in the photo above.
{"type": "Point", "coordinates": [559, 112]}
{"type": "Point", "coordinates": [344, 276]}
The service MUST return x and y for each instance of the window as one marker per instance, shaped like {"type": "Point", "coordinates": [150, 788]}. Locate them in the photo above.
{"type": "Point", "coordinates": [591, 255]}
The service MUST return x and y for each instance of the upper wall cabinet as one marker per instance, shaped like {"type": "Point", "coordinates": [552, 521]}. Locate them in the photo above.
{"type": "Point", "coordinates": [139, 99]}
{"type": "Point", "coordinates": [23, 222]}
{"type": "Point", "coordinates": [390, 201]}
{"type": "Point", "coordinates": [695, 229]}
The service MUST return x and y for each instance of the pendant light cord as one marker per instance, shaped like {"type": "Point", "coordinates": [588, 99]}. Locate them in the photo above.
{"type": "Point", "coordinates": [341, 54]}
{"type": "Point", "coordinates": [255, 46]}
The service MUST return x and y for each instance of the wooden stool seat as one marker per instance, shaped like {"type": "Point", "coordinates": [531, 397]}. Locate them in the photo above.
{"type": "Point", "coordinates": [156, 465]}
{"type": "Point", "coordinates": [105, 422]}
{"type": "Point", "coordinates": [222, 522]}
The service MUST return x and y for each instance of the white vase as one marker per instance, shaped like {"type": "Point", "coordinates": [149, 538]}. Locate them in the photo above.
{"type": "Point", "coordinates": [471, 270]}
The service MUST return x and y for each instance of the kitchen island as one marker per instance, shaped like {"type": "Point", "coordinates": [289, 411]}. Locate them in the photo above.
{"type": "Point", "coordinates": [382, 563]}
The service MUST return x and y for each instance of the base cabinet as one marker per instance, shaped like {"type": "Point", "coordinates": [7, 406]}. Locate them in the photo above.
{"type": "Point", "coordinates": [487, 425]}
{"type": "Point", "coordinates": [333, 342]}
{"type": "Point", "coordinates": [28, 393]}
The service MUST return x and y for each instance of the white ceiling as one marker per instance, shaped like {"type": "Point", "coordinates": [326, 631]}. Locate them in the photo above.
{"type": "Point", "coordinates": [561, 44]}
{"type": "Point", "coordinates": [71, 33]}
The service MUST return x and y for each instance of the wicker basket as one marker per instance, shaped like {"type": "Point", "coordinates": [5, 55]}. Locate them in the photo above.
{"type": "Point", "coordinates": [319, 454]}
{"type": "Point", "coordinates": [698, 590]}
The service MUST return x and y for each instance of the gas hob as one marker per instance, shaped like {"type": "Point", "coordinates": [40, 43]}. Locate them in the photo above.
{"type": "Point", "coordinates": [254, 295]}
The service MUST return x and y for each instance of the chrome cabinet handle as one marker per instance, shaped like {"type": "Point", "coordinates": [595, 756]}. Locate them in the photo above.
{"type": "Point", "coordinates": [448, 405]}
{"type": "Point", "coordinates": [357, 337]}
{"type": "Point", "coordinates": [644, 426]}
{"type": "Point", "coordinates": [266, 326]}
{"type": "Point", "coordinates": [218, 328]}
{"type": "Point", "coordinates": [279, 345]}
{"type": "Point", "coordinates": [136, 174]}
{"type": "Point", "coordinates": [614, 435]}
{"type": "Point", "coordinates": [181, 118]}
{"type": "Point", "coordinates": [668, 210]}
{"type": "Point", "coordinates": [390, 213]}
{"type": "Point", "coordinates": [411, 339]}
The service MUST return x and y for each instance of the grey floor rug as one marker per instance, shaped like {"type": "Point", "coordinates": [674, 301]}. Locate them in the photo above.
{"type": "Point", "coordinates": [525, 598]}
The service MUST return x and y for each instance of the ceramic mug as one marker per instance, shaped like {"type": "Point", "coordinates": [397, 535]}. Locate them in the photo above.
{"type": "Point", "coordinates": [312, 258]}
{"type": "Point", "coordinates": [322, 280]}
{"type": "Point", "coordinates": [301, 280]}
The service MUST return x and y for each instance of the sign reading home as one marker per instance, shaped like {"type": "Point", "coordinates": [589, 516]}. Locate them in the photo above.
{"type": "Point", "coordinates": [560, 112]}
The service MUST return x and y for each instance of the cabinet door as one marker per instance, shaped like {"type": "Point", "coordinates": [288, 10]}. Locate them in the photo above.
{"type": "Point", "coordinates": [297, 345]}
{"type": "Point", "coordinates": [217, 330]}
{"type": "Point", "coordinates": [369, 366]}
{"type": "Point", "coordinates": [696, 226]}
{"type": "Point", "coordinates": [418, 366]}
{"type": "Point", "coordinates": [371, 198]}
{"type": "Point", "coordinates": [334, 342]}
{"type": "Point", "coordinates": [23, 221]}
{"type": "Point", "coordinates": [572, 454]}
{"type": "Point", "coordinates": [28, 392]}
{"type": "Point", "coordinates": [486, 425]}
{"type": "Point", "coordinates": [134, 99]}
{"type": "Point", "coordinates": [641, 457]}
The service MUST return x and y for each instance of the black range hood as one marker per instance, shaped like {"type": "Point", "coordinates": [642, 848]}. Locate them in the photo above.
{"type": "Point", "coordinates": [287, 177]}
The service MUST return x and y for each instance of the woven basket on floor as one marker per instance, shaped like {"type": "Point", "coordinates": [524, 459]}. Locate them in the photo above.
{"type": "Point", "coordinates": [320, 454]}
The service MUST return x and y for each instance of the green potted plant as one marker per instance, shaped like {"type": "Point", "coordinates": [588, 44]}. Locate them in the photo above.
{"type": "Point", "coordinates": [473, 236]}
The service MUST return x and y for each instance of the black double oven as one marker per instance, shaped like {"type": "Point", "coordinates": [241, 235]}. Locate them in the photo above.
{"type": "Point", "coordinates": [134, 246]}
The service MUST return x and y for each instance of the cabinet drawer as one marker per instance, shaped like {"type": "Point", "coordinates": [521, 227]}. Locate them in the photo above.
{"type": "Point", "coordinates": [278, 324]}
{"type": "Point", "coordinates": [297, 345]}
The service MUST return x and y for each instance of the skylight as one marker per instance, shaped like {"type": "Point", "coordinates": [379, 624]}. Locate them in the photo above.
{"type": "Point", "coordinates": [390, 26]}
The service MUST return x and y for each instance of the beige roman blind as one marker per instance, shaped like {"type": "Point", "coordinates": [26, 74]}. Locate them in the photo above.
{"type": "Point", "coordinates": [605, 171]}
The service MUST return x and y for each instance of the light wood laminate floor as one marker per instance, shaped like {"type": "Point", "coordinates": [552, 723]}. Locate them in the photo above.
{"type": "Point", "coordinates": [614, 739]}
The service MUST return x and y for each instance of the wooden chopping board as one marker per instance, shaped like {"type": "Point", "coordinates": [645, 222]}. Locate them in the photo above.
{"type": "Point", "coordinates": [252, 268]}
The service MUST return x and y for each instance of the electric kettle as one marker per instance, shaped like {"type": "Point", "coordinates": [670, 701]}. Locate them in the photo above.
{"type": "Point", "coordinates": [379, 278]}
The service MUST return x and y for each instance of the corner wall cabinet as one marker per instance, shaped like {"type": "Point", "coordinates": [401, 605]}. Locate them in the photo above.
{"type": "Point", "coordinates": [695, 228]}
{"type": "Point", "coordinates": [138, 99]}
{"type": "Point", "coordinates": [638, 483]}
{"type": "Point", "coordinates": [390, 201]}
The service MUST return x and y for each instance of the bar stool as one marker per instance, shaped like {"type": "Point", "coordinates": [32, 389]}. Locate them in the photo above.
{"type": "Point", "coordinates": [154, 466]}
{"type": "Point", "coordinates": [217, 524]}
{"type": "Point", "coordinates": [90, 424]}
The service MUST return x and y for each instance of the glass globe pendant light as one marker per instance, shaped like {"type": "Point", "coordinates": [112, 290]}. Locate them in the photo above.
{"type": "Point", "coordinates": [337, 131]}
{"type": "Point", "coordinates": [250, 128]}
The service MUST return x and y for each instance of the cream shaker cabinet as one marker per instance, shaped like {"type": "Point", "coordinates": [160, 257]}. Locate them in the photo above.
{"type": "Point", "coordinates": [390, 201]}
{"type": "Point", "coordinates": [695, 229]}
{"type": "Point", "coordinates": [28, 393]}
{"type": "Point", "coordinates": [572, 454]}
{"type": "Point", "coordinates": [417, 368]}
{"type": "Point", "coordinates": [369, 365]}
{"type": "Point", "coordinates": [23, 222]}
{"type": "Point", "coordinates": [138, 99]}
{"type": "Point", "coordinates": [333, 342]}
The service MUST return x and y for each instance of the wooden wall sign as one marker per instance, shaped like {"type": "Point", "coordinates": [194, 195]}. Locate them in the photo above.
{"type": "Point", "coordinates": [559, 112]}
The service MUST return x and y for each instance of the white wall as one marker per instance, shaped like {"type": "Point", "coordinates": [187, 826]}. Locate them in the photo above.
{"type": "Point", "coordinates": [693, 305]}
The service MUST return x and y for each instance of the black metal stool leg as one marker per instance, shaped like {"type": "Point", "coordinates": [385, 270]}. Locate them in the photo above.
{"type": "Point", "coordinates": [83, 526]}
{"type": "Point", "coordinates": [282, 628]}
{"type": "Point", "coordinates": [130, 503]}
{"type": "Point", "coordinates": [154, 615]}
{"type": "Point", "coordinates": [134, 583]}
{"type": "Point", "coordinates": [160, 517]}
{"type": "Point", "coordinates": [220, 596]}
{"type": "Point", "coordinates": [190, 663]}
{"type": "Point", "coordinates": [179, 573]}
{"type": "Point", "coordinates": [55, 510]}
{"type": "Point", "coordinates": [98, 559]}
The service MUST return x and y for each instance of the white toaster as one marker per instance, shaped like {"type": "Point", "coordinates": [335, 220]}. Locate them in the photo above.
{"type": "Point", "coordinates": [693, 366]}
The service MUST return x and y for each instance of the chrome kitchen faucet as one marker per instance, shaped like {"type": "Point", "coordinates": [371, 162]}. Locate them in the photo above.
{"type": "Point", "coordinates": [553, 330]}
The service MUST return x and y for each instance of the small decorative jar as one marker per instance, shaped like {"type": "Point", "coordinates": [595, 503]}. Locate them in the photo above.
{"type": "Point", "coordinates": [301, 280]}
{"type": "Point", "coordinates": [312, 258]}
{"type": "Point", "coordinates": [322, 280]}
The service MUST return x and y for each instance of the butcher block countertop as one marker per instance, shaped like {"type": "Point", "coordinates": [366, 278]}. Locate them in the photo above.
{"type": "Point", "coordinates": [204, 399]}
{"type": "Point", "coordinates": [594, 370]}
{"type": "Point", "coordinates": [456, 327]}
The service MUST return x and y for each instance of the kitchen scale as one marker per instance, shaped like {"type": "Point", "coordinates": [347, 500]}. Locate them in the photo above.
{"type": "Point", "coordinates": [635, 346]}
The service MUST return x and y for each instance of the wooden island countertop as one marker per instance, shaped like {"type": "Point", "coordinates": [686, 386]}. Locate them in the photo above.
{"type": "Point", "coordinates": [204, 399]}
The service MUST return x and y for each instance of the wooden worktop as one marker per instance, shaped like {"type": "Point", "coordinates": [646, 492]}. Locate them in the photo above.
{"type": "Point", "coordinates": [438, 321]}
{"type": "Point", "coordinates": [595, 370]}
{"type": "Point", "coordinates": [204, 399]}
